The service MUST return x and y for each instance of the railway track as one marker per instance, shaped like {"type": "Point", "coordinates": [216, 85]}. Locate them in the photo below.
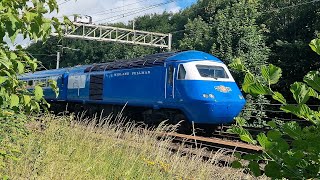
{"type": "Point", "coordinates": [213, 143]}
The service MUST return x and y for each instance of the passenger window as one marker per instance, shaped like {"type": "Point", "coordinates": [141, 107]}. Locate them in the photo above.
{"type": "Point", "coordinates": [182, 72]}
{"type": "Point", "coordinates": [170, 75]}
{"type": "Point", "coordinates": [30, 83]}
{"type": "Point", "coordinates": [42, 83]}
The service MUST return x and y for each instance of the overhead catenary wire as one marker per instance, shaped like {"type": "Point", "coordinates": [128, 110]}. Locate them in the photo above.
{"type": "Point", "coordinates": [118, 7]}
{"type": "Point", "coordinates": [118, 11]}
{"type": "Point", "coordinates": [135, 11]}
{"type": "Point", "coordinates": [107, 11]}
{"type": "Point", "coordinates": [64, 2]}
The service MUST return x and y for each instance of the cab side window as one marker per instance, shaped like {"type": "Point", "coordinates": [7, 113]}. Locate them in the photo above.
{"type": "Point", "coordinates": [170, 75]}
{"type": "Point", "coordinates": [182, 72]}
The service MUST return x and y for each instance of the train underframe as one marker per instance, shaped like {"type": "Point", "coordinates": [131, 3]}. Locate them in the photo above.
{"type": "Point", "coordinates": [140, 115]}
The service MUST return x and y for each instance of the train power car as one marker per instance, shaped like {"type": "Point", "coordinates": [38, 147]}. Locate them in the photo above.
{"type": "Point", "coordinates": [190, 85]}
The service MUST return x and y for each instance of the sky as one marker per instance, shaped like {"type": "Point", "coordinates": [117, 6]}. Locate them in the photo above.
{"type": "Point", "coordinates": [112, 11]}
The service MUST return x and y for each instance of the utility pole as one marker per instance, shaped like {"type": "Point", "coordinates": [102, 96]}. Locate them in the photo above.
{"type": "Point", "coordinates": [58, 59]}
{"type": "Point", "coordinates": [59, 54]}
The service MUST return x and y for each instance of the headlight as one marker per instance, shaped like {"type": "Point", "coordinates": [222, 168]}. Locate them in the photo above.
{"type": "Point", "coordinates": [205, 95]}
{"type": "Point", "coordinates": [240, 96]}
{"type": "Point", "coordinates": [211, 95]}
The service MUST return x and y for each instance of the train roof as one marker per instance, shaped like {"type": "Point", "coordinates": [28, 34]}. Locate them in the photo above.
{"type": "Point", "coordinates": [147, 61]}
{"type": "Point", "coordinates": [153, 60]}
{"type": "Point", "coordinates": [193, 55]}
{"type": "Point", "coordinates": [54, 72]}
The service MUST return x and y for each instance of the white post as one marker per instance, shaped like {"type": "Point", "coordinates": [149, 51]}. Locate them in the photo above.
{"type": "Point", "coordinates": [133, 25]}
{"type": "Point", "coordinates": [169, 41]}
{"type": "Point", "coordinates": [58, 59]}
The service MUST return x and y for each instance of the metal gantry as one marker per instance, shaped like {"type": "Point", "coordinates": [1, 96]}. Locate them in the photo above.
{"type": "Point", "coordinates": [114, 34]}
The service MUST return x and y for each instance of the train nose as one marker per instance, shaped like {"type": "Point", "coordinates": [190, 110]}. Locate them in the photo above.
{"type": "Point", "coordinates": [223, 112]}
{"type": "Point", "coordinates": [217, 113]}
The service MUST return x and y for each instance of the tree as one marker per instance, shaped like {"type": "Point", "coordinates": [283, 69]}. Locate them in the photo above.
{"type": "Point", "coordinates": [26, 18]}
{"type": "Point", "coordinates": [197, 35]}
{"type": "Point", "coordinates": [237, 34]}
{"type": "Point", "coordinates": [290, 26]}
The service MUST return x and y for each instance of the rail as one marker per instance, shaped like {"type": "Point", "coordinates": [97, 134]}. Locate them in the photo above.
{"type": "Point", "coordinates": [216, 143]}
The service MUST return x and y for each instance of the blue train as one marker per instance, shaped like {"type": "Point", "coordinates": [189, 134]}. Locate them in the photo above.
{"type": "Point", "coordinates": [190, 85]}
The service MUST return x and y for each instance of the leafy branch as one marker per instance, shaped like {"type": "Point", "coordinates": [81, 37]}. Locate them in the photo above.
{"type": "Point", "coordinates": [290, 151]}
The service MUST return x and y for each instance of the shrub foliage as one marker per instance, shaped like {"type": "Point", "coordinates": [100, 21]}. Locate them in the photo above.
{"type": "Point", "coordinates": [290, 150]}
{"type": "Point", "coordinates": [20, 18]}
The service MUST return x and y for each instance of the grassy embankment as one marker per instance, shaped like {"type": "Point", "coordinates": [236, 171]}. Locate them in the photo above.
{"type": "Point", "coordinates": [66, 149]}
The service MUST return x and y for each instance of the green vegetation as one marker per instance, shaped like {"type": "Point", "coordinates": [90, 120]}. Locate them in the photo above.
{"type": "Point", "coordinates": [27, 19]}
{"type": "Point", "coordinates": [261, 32]}
{"type": "Point", "coordinates": [61, 148]}
{"type": "Point", "coordinates": [291, 151]}
{"type": "Point", "coordinates": [253, 32]}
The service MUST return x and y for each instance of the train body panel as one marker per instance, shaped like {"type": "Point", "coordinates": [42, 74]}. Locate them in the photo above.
{"type": "Point", "coordinates": [42, 78]}
{"type": "Point", "coordinates": [135, 86]}
{"type": "Point", "coordinates": [195, 83]}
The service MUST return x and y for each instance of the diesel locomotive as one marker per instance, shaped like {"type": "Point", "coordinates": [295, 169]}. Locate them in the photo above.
{"type": "Point", "coordinates": [190, 85]}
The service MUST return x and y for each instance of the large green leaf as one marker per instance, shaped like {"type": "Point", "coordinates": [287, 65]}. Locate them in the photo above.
{"type": "Point", "coordinates": [271, 73]}
{"type": "Point", "coordinates": [290, 109]}
{"type": "Point", "coordinates": [3, 79]}
{"type": "Point", "coordinates": [250, 85]}
{"type": "Point", "coordinates": [313, 93]}
{"type": "Point", "coordinates": [236, 164]}
{"type": "Point", "coordinates": [302, 111]}
{"type": "Point", "coordinates": [240, 121]}
{"type": "Point", "coordinates": [30, 16]}
{"type": "Point", "coordinates": [38, 92]}
{"type": "Point", "coordinates": [313, 80]}
{"type": "Point", "coordinates": [272, 169]}
{"type": "Point", "coordinates": [255, 169]}
{"type": "Point", "coordinates": [279, 97]}
{"type": "Point", "coordinates": [274, 135]}
{"type": "Point", "coordinates": [300, 92]}
{"type": "Point", "coordinates": [237, 65]}
{"type": "Point", "coordinates": [272, 124]}
{"type": "Point", "coordinates": [248, 138]}
{"type": "Point", "coordinates": [315, 45]}
{"type": "Point", "coordinates": [26, 99]}
{"type": "Point", "coordinates": [248, 80]}
{"type": "Point", "coordinates": [20, 67]}
{"type": "Point", "coordinates": [257, 89]}
{"type": "Point", "coordinates": [250, 157]}
{"type": "Point", "coordinates": [263, 141]}
{"type": "Point", "coordinates": [293, 130]}
{"type": "Point", "coordinates": [4, 60]}
{"type": "Point", "coordinates": [14, 100]}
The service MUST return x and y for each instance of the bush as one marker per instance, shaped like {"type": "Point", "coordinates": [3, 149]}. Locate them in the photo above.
{"type": "Point", "coordinates": [24, 17]}
{"type": "Point", "coordinates": [290, 151]}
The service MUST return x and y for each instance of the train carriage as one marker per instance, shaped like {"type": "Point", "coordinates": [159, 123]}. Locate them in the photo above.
{"type": "Point", "coordinates": [195, 85]}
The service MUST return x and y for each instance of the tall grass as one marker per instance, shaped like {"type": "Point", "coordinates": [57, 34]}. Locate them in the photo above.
{"type": "Point", "coordinates": [62, 148]}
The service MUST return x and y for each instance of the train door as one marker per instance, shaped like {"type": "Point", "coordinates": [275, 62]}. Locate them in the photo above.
{"type": "Point", "coordinates": [63, 89]}
{"type": "Point", "coordinates": [96, 87]}
{"type": "Point", "coordinates": [170, 82]}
